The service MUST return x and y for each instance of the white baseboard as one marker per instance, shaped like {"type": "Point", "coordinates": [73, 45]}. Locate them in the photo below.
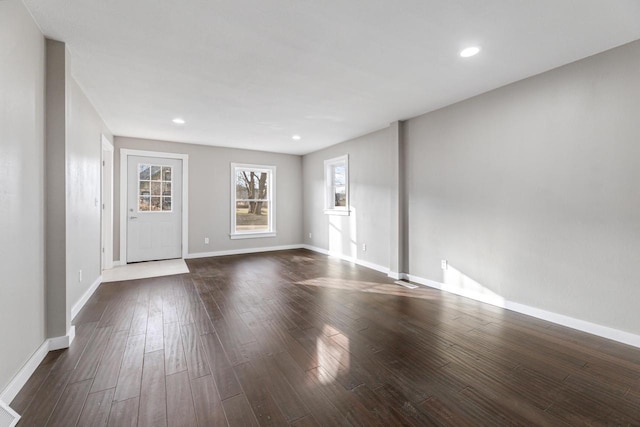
{"type": "Point", "coordinates": [242, 251]}
{"type": "Point", "coordinates": [23, 375]}
{"type": "Point", "coordinates": [6, 410]}
{"type": "Point", "coordinates": [361, 262]}
{"type": "Point", "coordinates": [118, 263]}
{"type": "Point", "coordinates": [395, 275]}
{"type": "Point", "coordinates": [85, 297]}
{"type": "Point", "coordinates": [559, 319]}
{"type": "Point", "coordinates": [57, 343]}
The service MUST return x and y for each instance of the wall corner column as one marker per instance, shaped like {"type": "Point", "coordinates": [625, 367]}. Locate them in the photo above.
{"type": "Point", "coordinates": [397, 194]}
{"type": "Point", "coordinates": [57, 314]}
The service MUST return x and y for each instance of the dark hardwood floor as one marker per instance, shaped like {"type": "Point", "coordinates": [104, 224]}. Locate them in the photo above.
{"type": "Point", "coordinates": [296, 338]}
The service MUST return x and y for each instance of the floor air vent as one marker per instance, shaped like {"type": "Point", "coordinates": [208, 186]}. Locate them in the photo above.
{"type": "Point", "coordinates": [8, 417]}
{"type": "Point", "coordinates": [405, 284]}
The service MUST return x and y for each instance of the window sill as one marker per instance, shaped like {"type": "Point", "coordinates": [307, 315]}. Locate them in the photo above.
{"type": "Point", "coordinates": [337, 212]}
{"type": "Point", "coordinates": [236, 236]}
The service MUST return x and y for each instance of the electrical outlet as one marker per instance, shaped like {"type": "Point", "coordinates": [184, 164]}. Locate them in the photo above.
{"type": "Point", "coordinates": [364, 247]}
{"type": "Point", "coordinates": [206, 240]}
{"type": "Point", "coordinates": [444, 264]}
{"type": "Point", "coordinates": [80, 276]}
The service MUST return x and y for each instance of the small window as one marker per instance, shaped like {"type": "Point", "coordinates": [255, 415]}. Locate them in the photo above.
{"type": "Point", "coordinates": [154, 188]}
{"type": "Point", "coordinates": [336, 182]}
{"type": "Point", "coordinates": [253, 201]}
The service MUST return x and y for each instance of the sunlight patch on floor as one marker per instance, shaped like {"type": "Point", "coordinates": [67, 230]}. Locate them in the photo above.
{"type": "Point", "coordinates": [143, 270]}
{"type": "Point", "coordinates": [362, 286]}
{"type": "Point", "coordinates": [333, 359]}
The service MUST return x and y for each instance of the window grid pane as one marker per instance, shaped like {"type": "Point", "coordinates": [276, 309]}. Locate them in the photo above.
{"type": "Point", "coordinates": [154, 188]}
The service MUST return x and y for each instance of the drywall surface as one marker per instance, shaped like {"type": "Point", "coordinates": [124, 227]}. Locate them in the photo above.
{"type": "Point", "coordinates": [370, 168]}
{"type": "Point", "coordinates": [57, 58]}
{"type": "Point", "coordinates": [210, 194]}
{"type": "Point", "coordinates": [531, 191]}
{"type": "Point", "coordinates": [83, 174]}
{"type": "Point", "coordinates": [22, 289]}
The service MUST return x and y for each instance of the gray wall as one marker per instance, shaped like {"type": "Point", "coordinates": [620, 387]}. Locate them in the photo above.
{"type": "Point", "coordinates": [22, 293]}
{"type": "Point", "coordinates": [57, 73]}
{"type": "Point", "coordinates": [83, 169]}
{"type": "Point", "coordinates": [370, 186]}
{"type": "Point", "coordinates": [532, 190]}
{"type": "Point", "coordinates": [73, 159]}
{"type": "Point", "coordinates": [210, 197]}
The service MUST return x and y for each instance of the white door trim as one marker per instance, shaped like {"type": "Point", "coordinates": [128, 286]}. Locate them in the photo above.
{"type": "Point", "coordinates": [124, 154]}
{"type": "Point", "coordinates": [106, 211]}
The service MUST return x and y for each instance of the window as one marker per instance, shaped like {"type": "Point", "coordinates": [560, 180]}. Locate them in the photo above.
{"type": "Point", "coordinates": [253, 201]}
{"type": "Point", "coordinates": [336, 183]}
{"type": "Point", "coordinates": [154, 188]}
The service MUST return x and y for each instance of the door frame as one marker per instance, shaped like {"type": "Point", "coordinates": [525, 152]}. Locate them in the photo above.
{"type": "Point", "coordinates": [124, 181]}
{"type": "Point", "coordinates": [106, 204]}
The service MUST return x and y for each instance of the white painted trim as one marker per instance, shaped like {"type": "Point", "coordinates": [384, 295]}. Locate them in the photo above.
{"type": "Point", "coordinates": [395, 275]}
{"type": "Point", "coordinates": [11, 412]}
{"type": "Point", "coordinates": [117, 263]}
{"type": "Point", "coordinates": [124, 153]}
{"type": "Point", "coordinates": [329, 202]}
{"type": "Point", "coordinates": [57, 343]}
{"type": "Point", "coordinates": [23, 375]}
{"type": "Point", "coordinates": [251, 235]}
{"type": "Point", "coordinates": [85, 297]}
{"type": "Point", "coordinates": [361, 262]}
{"type": "Point", "coordinates": [243, 251]}
{"type": "Point", "coordinates": [559, 319]}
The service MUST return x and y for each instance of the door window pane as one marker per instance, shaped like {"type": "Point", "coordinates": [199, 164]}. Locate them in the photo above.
{"type": "Point", "coordinates": [154, 181]}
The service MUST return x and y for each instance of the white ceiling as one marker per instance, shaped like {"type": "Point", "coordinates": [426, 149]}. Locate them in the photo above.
{"type": "Point", "coordinates": [250, 74]}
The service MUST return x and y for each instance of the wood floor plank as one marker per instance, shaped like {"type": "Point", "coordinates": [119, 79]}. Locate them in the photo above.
{"type": "Point", "coordinates": [88, 363]}
{"type": "Point", "coordinates": [207, 403]}
{"type": "Point", "coordinates": [70, 405]}
{"type": "Point", "coordinates": [283, 393]}
{"type": "Point", "coordinates": [130, 376]}
{"type": "Point", "coordinates": [223, 373]}
{"type": "Point", "coordinates": [180, 407]}
{"type": "Point", "coordinates": [319, 405]}
{"type": "Point", "coordinates": [175, 360]}
{"type": "Point", "coordinates": [153, 397]}
{"type": "Point", "coordinates": [155, 331]}
{"type": "Point", "coordinates": [239, 412]}
{"type": "Point", "coordinates": [259, 397]}
{"type": "Point", "coordinates": [96, 409]}
{"type": "Point", "coordinates": [46, 399]}
{"type": "Point", "coordinates": [109, 367]}
{"type": "Point", "coordinates": [296, 338]}
{"type": "Point", "coordinates": [197, 364]}
{"type": "Point", "coordinates": [124, 413]}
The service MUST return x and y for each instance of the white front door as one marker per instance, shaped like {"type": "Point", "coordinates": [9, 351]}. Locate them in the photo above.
{"type": "Point", "coordinates": [154, 208]}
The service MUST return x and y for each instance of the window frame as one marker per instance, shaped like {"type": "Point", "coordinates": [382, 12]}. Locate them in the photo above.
{"type": "Point", "coordinates": [329, 193]}
{"type": "Point", "coordinates": [271, 200]}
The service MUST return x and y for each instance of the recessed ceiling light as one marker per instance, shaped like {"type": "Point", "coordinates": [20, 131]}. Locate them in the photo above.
{"type": "Point", "coordinates": [178, 121]}
{"type": "Point", "coordinates": [469, 51]}
{"type": "Point", "coordinates": [296, 137]}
